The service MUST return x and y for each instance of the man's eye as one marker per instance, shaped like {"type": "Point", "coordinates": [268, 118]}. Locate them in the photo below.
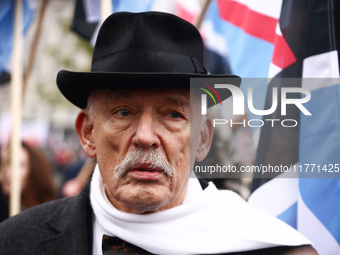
{"type": "Point", "coordinates": [175, 115]}
{"type": "Point", "coordinates": [123, 113]}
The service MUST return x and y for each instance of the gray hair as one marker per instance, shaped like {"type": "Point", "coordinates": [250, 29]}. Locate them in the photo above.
{"type": "Point", "coordinates": [89, 107]}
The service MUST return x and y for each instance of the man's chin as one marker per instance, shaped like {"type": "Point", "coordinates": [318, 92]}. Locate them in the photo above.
{"type": "Point", "coordinates": [141, 198]}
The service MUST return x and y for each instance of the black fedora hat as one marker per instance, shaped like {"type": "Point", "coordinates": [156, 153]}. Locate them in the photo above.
{"type": "Point", "coordinates": [141, 50]}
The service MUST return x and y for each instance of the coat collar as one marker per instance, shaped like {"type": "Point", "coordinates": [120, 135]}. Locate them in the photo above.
{"type": "Point", "coordinates": [70, 226]}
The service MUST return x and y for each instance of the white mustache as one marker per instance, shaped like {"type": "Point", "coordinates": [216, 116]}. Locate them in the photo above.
{"type": "Point", "coordinates": [143, 156]}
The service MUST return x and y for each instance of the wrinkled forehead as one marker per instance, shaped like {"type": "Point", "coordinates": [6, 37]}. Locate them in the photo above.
{"type": "Point", "coordinates": [181, 97]}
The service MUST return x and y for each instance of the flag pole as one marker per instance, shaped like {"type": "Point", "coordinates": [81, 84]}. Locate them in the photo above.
{"type": "Point", "coordinates": [34, 45]}
{"type": "Point", "coordinates": [202, 14]}
{"type": "Point", "coordinates": [16, 110]}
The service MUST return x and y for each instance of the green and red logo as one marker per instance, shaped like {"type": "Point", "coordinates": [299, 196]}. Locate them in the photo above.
{"type": "Point", "coordinates": [209, 93]}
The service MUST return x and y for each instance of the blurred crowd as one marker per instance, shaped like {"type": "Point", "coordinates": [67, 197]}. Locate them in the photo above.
{"type": "Point", "coordinates": [45, 174]}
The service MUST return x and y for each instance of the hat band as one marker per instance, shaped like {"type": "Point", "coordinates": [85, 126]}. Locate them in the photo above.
{"type": "Point", "coordinates": [149, 61]}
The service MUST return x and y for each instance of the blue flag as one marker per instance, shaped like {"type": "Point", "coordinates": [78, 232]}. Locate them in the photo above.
{"type": "Point", "coordinates": [7, 25]}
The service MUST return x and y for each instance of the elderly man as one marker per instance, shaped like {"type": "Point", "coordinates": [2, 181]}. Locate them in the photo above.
{"type": "Point", "coordinates": [135, 119]}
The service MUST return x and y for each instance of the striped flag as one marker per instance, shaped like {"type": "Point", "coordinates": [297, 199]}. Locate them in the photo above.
{"type": "Point", "coordinates": [251, 46]}
{"type": "Point", "coordinates": [188, 10]}
{"type": "Point", "coordinates": [239, 26]}
{"type": "Point", "coordinates": [215, 41]}
{"type": "Point", "coordinates": [311, 205]}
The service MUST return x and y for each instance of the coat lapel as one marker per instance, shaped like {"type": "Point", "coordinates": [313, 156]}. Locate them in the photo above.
{"type": "Point", "coordinates": [70, 227]}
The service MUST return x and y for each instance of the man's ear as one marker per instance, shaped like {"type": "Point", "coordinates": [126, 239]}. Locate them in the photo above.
{"type": "Point", "coordinates": [84, 127]}
{"type": "Point", "coordinates": [206, 137]}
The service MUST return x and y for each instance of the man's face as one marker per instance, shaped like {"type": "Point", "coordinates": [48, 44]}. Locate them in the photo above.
{"type": "Point", "coordinates": [126, 123]}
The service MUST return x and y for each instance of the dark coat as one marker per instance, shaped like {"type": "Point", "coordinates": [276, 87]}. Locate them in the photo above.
{"type": "Point", "coordinates": [3, 206]}
{"type": "Point", "coordinates": [63, 227]}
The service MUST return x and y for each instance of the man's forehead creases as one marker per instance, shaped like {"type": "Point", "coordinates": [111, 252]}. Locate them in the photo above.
{"type": "Point", "coordinates": [114, 95]}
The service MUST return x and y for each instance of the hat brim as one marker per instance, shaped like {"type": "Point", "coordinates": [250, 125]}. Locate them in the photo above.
{"type": "Point", "coordinates": [77, 86]}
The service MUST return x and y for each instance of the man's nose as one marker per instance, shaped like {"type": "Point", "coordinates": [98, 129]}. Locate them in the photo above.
{"type": "Point", "coordinates": [146, 134]}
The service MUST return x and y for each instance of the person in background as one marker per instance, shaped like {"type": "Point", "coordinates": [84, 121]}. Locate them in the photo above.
{"type": "Point", "coordinates": [74, 185]}
{"type": "Point", "coordinates": [37, 183]}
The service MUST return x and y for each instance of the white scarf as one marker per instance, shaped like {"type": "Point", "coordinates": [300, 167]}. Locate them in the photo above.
{"type": "Point", "coordinates": [211, 221]}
